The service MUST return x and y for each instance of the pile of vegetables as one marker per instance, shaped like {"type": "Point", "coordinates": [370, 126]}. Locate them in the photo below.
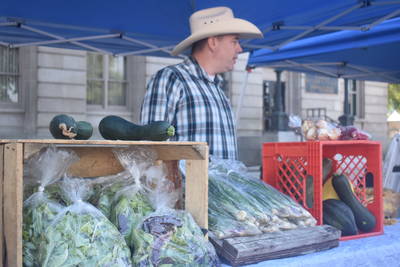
{"type": "Point", "coordinates": [343, 210]}
{"type": "Point", "coordinates": [241, 205]}
{"type": "Point", "coordinates": [323, 130]}
{"type": "Point", "coordinates": [320, 130]}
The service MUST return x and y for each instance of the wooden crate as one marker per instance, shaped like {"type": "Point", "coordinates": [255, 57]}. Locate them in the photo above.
{"type": "Point", "coordinates": [96, 159]}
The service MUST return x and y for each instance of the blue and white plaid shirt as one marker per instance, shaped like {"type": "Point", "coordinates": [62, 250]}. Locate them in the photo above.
{"type": "Point", "coordinates": [191, 100]}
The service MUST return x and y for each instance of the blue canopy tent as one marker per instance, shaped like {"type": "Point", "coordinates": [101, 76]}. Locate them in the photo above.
{"type": "Point", "coordinates": [153, 27]}
{"type": "Point", "coordinates": [362, 55]}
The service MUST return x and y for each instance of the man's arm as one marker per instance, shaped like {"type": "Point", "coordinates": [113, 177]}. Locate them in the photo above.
{"type": "Point", "coordinates": [161, 98]}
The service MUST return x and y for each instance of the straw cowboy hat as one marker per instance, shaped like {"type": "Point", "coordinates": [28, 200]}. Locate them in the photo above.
{"type": "Point", "coordinates": [216, 21]}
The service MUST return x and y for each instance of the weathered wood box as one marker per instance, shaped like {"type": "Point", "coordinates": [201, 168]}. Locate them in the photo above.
{"type": "Point", "coordinates": [96, 159]}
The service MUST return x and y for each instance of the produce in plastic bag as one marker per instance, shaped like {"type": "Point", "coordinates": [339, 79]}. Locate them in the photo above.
{"type": "Point", "coordinates": [353, 133]}
{"type": "Point", "coordinates": [391, 170]}
{"type": "Point", "coordinates": [130, 205]}
{"type": "Point", "coordinates": [320, 130]}
{"type": "Point", "coordinates": [81, 235]}
{"type": "Point", "coordinates": [226, 219]}
{"type": "Point", "coordinates": [172, 237]}
{"type": "Point", "coordinates": [44, 168]}
{"type": "Point", "coordinates": [165, 236]}
{"type": "Point", "coordinates": [105, 189]}
{"type": "Point", "coordinates": [250, 200]}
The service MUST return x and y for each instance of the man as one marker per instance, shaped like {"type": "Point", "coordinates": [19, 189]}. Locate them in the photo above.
{"type": "Point", "coordinates": [189, 94]}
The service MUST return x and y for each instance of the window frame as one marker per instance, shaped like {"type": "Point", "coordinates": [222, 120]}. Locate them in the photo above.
{"type": "Point", "coordinates": [105, 81]}
{"type": "Point", "coordinates": [357, 98]}
{"type": "Point", "coordinates": [19, 105]}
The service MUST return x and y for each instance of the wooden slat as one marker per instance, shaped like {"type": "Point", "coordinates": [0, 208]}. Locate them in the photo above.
{"type": "Point", "coordinates": [252, 249]}
{"type": "Point", "coordinates": [171, 152]}
{"type": "Point", "coordinates": [2, 254]}
{"type": "Point", "coordinates": [165, 150]}
{"type": "Point", "coordinates": [94, 162]}
{"type": "Point", "coordinates": [245, 246]}
{"type": "Point", "coordinates": [100, 142]}
{"type": "Point", "coordinates": [13, 201]}
{"type": "Point", "coordinates": [196, 190]}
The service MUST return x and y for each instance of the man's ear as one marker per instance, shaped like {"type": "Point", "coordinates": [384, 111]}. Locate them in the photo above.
{"type": "Point", "coordinates": [212, 43]}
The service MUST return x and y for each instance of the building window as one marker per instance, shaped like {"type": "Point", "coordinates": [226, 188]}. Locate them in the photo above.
{"type": "Point", "coordinates": [356, 98]}
{"type": "Point", "coordinates": [9, 76]}
{"type": "Point", "coordinates": [106, 80]}
{"type": "Point", "coordinates": [269, 88]}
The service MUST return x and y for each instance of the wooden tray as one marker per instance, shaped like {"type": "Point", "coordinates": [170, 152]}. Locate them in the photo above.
{"type": "Point", "coordinates": [252, 249]}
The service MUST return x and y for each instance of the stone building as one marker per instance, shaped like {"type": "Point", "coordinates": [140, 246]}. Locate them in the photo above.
{"type": "Point", "coordinates": [37, 83]}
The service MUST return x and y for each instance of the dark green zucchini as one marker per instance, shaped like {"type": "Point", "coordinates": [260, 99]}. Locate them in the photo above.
{"type": "Point", "coordinates": [63, 126]}
{"type": "Point", "coordinates": [337, 214]}
{"type": "Point", "coordinates": [117, 128]}
{"type": "Point", "coordinates": [84, 130]}
{"type": "Point", "coordinates": [365, 220]}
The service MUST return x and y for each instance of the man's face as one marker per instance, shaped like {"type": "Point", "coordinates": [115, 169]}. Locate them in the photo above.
{"type": "Point", "coordinates": [226, 51]}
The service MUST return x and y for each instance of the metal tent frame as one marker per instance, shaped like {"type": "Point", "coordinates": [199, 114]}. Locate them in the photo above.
{"type": "Point", "coordinates": [20, 28]}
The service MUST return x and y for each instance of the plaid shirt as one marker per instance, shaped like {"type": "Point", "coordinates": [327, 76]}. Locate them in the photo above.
{"type": "Point", "coordinates": [187, 97]}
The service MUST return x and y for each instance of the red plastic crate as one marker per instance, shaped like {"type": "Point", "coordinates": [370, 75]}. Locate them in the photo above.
{"type": "Point", "coordinates": [296, 169]}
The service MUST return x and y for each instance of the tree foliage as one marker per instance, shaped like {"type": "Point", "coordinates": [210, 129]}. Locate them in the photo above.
{"type": "Point", "coordinates": [394, 97]}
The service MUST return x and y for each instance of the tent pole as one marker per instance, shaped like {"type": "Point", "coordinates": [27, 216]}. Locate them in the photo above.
{"type": "Point", "coordinates": [66, 40]}
{"type": "Point", "coordinates": [317, 27]}
{"type": "Point", "coordinates": [346, 119]}
{"type": "Point", "coordinates": [279, 121]}
{"type": "Point", "coordinates": [62, 38]}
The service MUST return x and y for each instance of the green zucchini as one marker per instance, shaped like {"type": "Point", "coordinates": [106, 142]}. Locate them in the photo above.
{"type": "Point", "coordinates": [337, 214]}
{"type": "Point", "coordinates": [63, 126]}
{"type": "Point", "coordinates": [84, 130]}
{"type": "Point", "coordinates": [117, 128]}
{"type": "Point", "coordinates": [365, 220]}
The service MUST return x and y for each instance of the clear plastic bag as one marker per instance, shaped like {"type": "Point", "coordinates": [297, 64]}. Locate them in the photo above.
{"type": "Point", "coordinates": [169, 236]}
{"type": "Point", "coordinates": [81, 235]}
{"type": "Point", "coordinates": [233, 192]}
{"type": "Point", "coordinates": [105, 188]}
{"type": "Point", "coordinates": [40, 208]}
{"type": "Point", "coordinates": [391, 165]}
{"type": "Point", "coordinates": [158, 234]}
{"type": "Point", "coordinates": [320, 130]}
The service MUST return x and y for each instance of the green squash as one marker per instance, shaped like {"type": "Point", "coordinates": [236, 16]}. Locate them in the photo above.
{"type": "Point", "coordinates": [84, 130]}
{"type": "Point", "coordinates": [337, 214]}
{"type": "Point", "coordinates": [117, 128]}
{"type": "Point", "coordinates": [365, 220]}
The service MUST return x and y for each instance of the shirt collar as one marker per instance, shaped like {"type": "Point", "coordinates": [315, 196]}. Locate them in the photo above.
{"type": "Point", "coordinates": [200, 73]}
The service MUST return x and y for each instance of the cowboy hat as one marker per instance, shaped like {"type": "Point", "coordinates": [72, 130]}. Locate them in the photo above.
{"type": "Point", "coordinates": [216, 21]}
